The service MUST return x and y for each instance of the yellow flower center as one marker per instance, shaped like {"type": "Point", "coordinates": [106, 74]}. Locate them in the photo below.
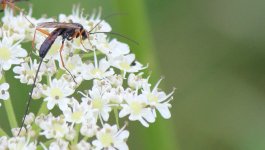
{"type": "Point", "coordinates": [56, 93]}
{"type": "Point", "coordinates": [97, 103]}
{"type": "Point", "coordinates": [136, 107]}
{"type": "Point", "coordinates": [152, 98]}
{"type": "Point", "coordinates": [125, 65]}
{"type": "Point", "coordinates": [5, 53]}
{"type": "Point", "coordinates": [96, 71]}
{"type": "Point", "coordinates": [70, 66]}
{"type": "Point", "coordinates": [76, 116]}
{"type": "Point", "coordinates": [58, 127]}
{"type": "Point", "coordinates": [30, 72]}
{"type": "Point", "coordinates": [106, 139]}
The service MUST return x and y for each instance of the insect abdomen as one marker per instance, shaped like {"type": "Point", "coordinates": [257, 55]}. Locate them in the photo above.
{"type": "Point", "coordinates": [46, 45]}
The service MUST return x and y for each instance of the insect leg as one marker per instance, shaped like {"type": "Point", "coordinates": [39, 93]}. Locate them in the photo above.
{"type": "Point", "coordinates": [3, 5]}
{"type": "Point", "coordinates": [81, 41]}
{"type": "Point", "coordinates": [34, 36]}
{"type": "Point", "coordinates": [61, 49]}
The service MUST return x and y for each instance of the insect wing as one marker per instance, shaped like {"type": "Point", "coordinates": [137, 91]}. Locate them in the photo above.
{"type": "Point", "coordinates": [57, 25]}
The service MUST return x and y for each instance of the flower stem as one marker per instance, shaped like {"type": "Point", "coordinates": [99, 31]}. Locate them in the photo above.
{"type": "Point", "coordinates": [43, 109]}
{"type": "Point", "coordinates": [116, 116]}
{"type": "Point", "coordinates": [9, 109]}
{"type": "Point", "coordinates": [10, 113]}
{"type": "Point", "coordinates": [91, 55]}
{"type": "Point", "coordinates": [77, 129]}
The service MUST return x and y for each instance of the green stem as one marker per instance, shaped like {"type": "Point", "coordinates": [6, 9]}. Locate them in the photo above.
{"type": "Point", "coordinates": [116, 117]}
{"type": "Point", "coordinates": [2, 132]}
{"type": "Point", "coordinates": [77, 129]}
{"type": "Point", "coordinates": [85, 138]}
{"type": "Point", "coordinates": [9, 110]}
{"type": "Point", "coordinates": [47, 143]}
{"type": "Point", "coordinates": [43, 109]}
{"type": "Point", "coordinates": [137, 26]}
{"type": "Point", "coordinates": [89, 55]}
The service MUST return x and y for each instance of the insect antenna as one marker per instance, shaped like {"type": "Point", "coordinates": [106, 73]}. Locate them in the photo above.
{"type": "Point", "coordinates": [114, 33]}
{"type": "Point", "coordinates": [104, 18]}
{"type": "Point", "coordinates": [118, 34]}
{"type": "Point", "coordinates": [30, 98]}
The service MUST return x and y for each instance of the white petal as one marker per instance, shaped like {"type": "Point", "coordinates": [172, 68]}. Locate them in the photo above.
{"type": "Point", "coordinates": [121, 146]}
{"type": "Point", "coordinates": [5, 96]}
{"type": "Point", "coordinates": [144, 123]}
{"type": "Point", "coordinates": [103, 64]}
{"type": "Point", "coordinates": [5, 86]}
{"type": "Point", "coordinates": [123, 112]}
{"type": "Point", "coordinates": [6, 66]}
{"type": "Point", "coordinates": [50, 104]}
{"type": "Point", "coordinates": [149, 116]}
{"type": "Point", "coordinates": [164, 111]}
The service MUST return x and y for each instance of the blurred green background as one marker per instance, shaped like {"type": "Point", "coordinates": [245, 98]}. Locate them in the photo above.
{"type": "Point", "coordinates": [212, 51]}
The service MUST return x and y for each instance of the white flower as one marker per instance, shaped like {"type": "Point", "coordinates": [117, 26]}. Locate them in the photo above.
{"type": "Point", "coordinates": [83, 145]}
{"type": "Point", "coordinates": [50, 67]}
{"type": "Point", "coordinates": [77, 113]}
{"type": "Point", "coordinates": [98, 71]}
{"type": "Point", "coordinates": [4, 95]}
{"type": "Point", "coordinates": [37, 91]}
{"type": "Point", "coordinates": [3, 143]}
{"type": "Point", "coordinates": [89, 128]}
{"type": "Point", "coordinates": [59, 144]}
{"type": "Point", "coordinates": [115, 80]}
{"type": "Point", "coordinates": [136, 81]}
{"type": "Point", "coordinates": [18, 26]}
{"type": "Point", "coordinates": [70, 136]}
{"type": "Point", "coordinates": [52, 127]}
{"type": "Point", "coordinates": [29, 118]}
{"type": "Point", "coordinates": [21, 143]}
{"type": "Point", "coordinates": [99, 103]}
{"type": "Point", "coordinates": [57, 94]}
{"type": "Point", "coordinates": [115, 95]}
{"type": "Point", "coordinates": [75, 65]}
{"type": "Point", "coordinates": [113, 48]}
{"type": "Point", "coordinates": [76, 16]}
{"type": "Point", "coordinates": [137, 109]}
{"type": "Point", "coordinates": [10, 53]}
{"type": "Point", "coordinates": [27, 72]}
{"type": "Point", "coordinates": [126, 63]}
{"type": "Point", "coordinates": [109, 137]}
{"type": "Point", "coordinates": [158, 99]}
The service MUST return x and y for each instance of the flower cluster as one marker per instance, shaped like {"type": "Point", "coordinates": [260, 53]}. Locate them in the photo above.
{"type": "Point", "coordinates": [108, 79]}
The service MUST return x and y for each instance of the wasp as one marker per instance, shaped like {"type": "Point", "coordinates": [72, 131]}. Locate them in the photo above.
{"type": "Point", "coordinates": [68, 31]}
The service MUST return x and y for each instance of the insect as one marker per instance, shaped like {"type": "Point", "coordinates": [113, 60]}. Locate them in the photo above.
{"type": "Point", "coordinates": [10, 3]}
{"type": "Point", "coordinates": [68, 31]}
